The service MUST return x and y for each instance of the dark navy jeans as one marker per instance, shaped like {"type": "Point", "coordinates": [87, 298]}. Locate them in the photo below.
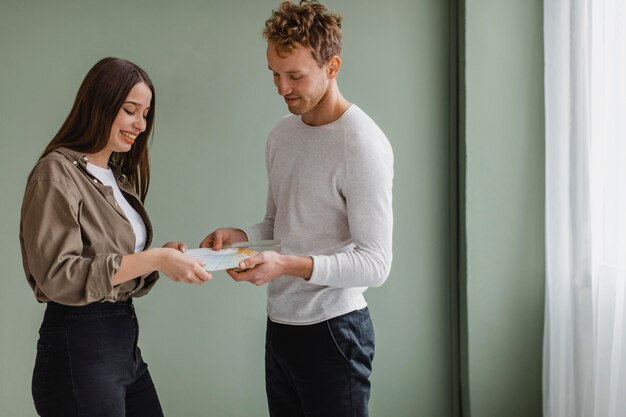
{"type": "Point", "coordinates": [320, 370]}
{"type": "Point", "coordinates": [88, 364]}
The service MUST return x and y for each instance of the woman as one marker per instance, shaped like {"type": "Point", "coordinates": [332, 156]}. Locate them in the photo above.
{"type": "Point", "coordinates": [84, 235]}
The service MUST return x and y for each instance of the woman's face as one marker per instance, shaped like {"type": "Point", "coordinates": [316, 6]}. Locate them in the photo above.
{"type": "Point", "coordinates": [131, 119]}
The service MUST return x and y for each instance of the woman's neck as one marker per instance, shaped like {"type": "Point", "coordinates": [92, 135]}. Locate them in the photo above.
{"type": "Point", "coordinates": [99, 159]}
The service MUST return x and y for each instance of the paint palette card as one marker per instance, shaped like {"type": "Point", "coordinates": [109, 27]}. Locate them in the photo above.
{"type": "Point", "coordinates": [222, 259]}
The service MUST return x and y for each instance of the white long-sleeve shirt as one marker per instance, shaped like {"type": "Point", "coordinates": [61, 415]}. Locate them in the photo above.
{"type": "Point", "coordinates": [330, 197]}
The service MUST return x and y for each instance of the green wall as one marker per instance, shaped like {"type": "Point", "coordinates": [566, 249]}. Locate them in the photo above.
{"type": "Point", "coordinates": [215, 106]}
{"type": "Point", "coordinates": [503, 268]}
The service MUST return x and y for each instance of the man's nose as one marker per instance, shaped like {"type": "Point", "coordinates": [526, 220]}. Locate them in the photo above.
{"type": "Point", "coordinates": [283, 87]}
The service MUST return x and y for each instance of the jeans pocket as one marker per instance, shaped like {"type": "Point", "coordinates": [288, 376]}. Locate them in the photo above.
{"type": "Point", "coordinates": [366, 325]}
{"type": "Point", "coordinates": [41, 368]}
{"type": "Point", "coordinates": [341, 334]}
{"type": "Point", "coordinates": [51, 349]}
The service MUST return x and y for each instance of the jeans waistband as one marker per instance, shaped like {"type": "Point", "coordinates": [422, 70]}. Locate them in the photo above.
{"type": "Point", "coordinates": [93, 309]}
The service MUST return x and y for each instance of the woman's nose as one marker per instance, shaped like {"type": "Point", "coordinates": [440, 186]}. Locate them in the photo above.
{"type": "Point", "coordinates": [140, 123]}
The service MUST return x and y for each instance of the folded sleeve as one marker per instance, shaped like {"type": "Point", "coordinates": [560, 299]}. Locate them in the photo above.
{"type": "Point", "coordinates": [52, 239]}
{"type": "Point", "coordinates": [149, 281]}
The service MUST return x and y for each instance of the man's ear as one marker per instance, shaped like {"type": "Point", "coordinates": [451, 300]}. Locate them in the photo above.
{"type": "Point", "coordinates": [333, 65]}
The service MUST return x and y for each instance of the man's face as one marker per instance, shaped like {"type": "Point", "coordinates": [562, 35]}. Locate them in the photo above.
{"type": "Point", "coordinates": [298, 78]}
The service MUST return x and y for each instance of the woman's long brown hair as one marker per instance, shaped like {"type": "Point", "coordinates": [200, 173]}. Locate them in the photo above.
{"type": "Point", "coordinates": [88, 126]}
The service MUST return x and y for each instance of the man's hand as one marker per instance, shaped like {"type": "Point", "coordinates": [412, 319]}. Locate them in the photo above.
{"type": "Point", "coordinates": [267, 266]}
{"type": "Point", "coordinates": [224, 236]}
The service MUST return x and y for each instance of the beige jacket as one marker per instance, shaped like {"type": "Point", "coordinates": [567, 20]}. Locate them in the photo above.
{"type": "Point", "coordinates": [73, 234]}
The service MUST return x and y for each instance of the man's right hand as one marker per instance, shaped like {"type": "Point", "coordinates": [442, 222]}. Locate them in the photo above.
{"type": "Point", "coordinates": [225, 236]}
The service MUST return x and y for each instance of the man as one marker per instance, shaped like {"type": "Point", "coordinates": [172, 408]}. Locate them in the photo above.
{"type": "Point", "coordinates": [329, 201]}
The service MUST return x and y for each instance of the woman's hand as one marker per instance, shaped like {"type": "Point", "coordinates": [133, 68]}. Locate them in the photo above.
{"type": "Point", "coordinates": [169, 260]}
{"type": "Point", "coordinates": [180, 267]}
{"type": "Point", "coordinates": [180, 246]}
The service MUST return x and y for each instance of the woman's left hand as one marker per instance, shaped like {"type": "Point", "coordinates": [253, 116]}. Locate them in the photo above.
{"type": "Point", "coordinates": [180, 246]}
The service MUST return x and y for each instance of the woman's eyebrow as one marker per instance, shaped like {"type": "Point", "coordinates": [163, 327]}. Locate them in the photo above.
{"type": "Point", "coordinates": [136, 104]}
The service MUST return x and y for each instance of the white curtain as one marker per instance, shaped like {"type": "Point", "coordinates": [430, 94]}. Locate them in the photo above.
{"type": "Point", "coordinates": [585, 321]}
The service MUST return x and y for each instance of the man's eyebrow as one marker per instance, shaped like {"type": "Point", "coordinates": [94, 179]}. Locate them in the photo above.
{"type": "Point", "coordinates": [286, 72]}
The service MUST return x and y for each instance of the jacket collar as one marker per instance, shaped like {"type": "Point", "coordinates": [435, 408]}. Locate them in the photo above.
{"type": "Point", "coordinates": [80, 159]}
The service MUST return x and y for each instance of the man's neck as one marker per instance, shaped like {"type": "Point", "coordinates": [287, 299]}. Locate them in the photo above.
{"type": "Point", "coordinates": [330, 108]}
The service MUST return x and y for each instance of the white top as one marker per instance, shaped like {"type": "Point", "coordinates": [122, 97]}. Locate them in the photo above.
{"type": "Point", "coordinates": [106, 177]}
{"type": "Point", "coordinates": [329, 197]}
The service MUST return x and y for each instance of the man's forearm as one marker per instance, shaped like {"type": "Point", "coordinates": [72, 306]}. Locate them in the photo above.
{"type": "Point", "coordinates": [298, 266]}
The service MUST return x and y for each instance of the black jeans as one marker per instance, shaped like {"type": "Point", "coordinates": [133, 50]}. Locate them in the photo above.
{"type": "Point", "coordinates": [320, 370]}
{"type": "Point", "coordinates": [88, 364]}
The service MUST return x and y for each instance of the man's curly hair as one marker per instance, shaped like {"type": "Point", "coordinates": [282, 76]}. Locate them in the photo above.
{"type": "Point", "coordinates": [308, 24]}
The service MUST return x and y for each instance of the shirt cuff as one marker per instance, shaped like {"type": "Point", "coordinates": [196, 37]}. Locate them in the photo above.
{"type": "Point", "coordinates": [99, 284]}
{"type": "Point", "coordinates": [319, 275]}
